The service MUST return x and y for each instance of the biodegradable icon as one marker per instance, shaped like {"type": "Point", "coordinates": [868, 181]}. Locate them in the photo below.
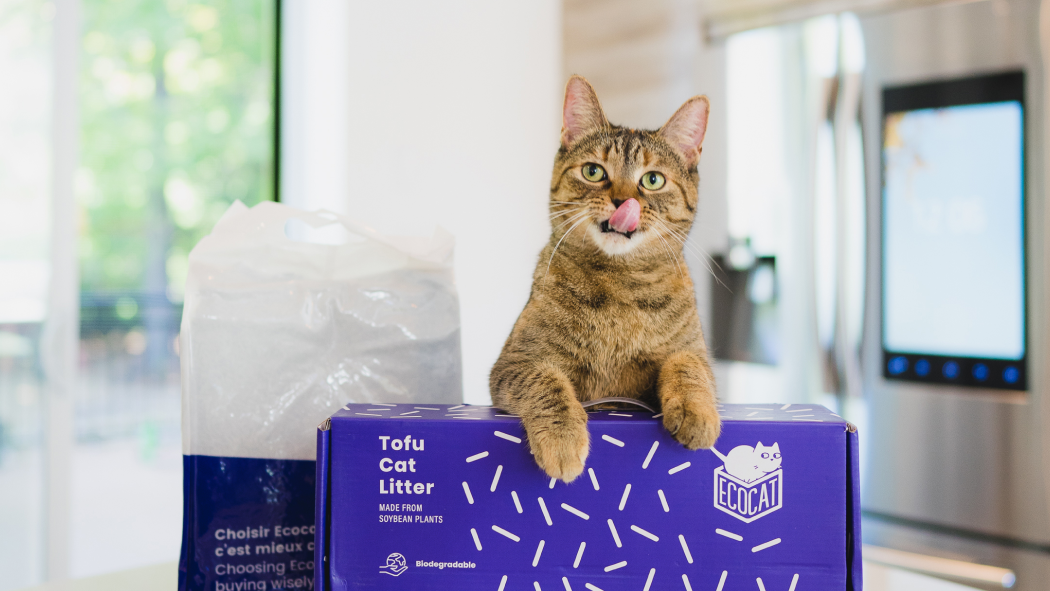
{"type": "Point", "coordinates": [395, 565]}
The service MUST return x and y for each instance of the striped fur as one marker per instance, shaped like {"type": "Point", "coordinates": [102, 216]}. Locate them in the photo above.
{"type": "Point", "coordinates": [611, 315]}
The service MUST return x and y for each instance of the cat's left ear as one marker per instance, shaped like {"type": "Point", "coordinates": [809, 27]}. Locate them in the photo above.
{"type": "Point", "coordinates": [686, 128]}
{"type": "Point", "coordinates": [582, 113]}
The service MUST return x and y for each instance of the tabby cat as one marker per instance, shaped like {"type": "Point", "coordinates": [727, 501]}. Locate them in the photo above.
{"type": "Point", "coordinates": [612, 310]}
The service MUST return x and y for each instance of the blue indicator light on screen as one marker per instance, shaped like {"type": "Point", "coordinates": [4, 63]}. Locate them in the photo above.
{"type": "Point", "coordinates": [898, 365]}
{"type": "Point", "coordinates": [950, 370]}
{"type": "Point", "coordinates": [922, 368]}
{"type": "Point", "coordinates": [1011, 375]}
{"type": "Point", "coordinates": [980, 372]}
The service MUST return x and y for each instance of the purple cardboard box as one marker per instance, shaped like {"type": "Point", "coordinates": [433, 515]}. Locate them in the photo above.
{"type": "Point", "coordinates": [448, 497]}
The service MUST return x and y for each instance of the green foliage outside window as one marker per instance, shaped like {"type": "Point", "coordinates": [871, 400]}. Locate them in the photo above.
{"type": "Point", "coordinates": [176, 108]}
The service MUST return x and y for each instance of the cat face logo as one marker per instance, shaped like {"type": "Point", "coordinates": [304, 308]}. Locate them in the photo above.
{"type": "Point", "coordinates": [395, 565]}
{"type": "Point", "coordinates": [750, 482]}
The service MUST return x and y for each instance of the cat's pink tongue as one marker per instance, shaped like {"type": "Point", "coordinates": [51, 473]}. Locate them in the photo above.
{"type": "Point", "coordinates": [625, 218]}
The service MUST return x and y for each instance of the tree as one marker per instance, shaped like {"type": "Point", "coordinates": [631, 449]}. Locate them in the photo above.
{"type": "Point", "coordinates": [176, 123]}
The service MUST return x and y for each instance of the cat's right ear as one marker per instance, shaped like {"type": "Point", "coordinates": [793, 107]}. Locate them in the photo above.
{"type": "Point", "coordinates": [582, 113]}
{"type": "Point", "coordinates": [686, 128]}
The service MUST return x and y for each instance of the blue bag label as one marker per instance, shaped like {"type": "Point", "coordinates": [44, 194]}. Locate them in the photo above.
{"type": "Point", "coordinates": [248, 524]}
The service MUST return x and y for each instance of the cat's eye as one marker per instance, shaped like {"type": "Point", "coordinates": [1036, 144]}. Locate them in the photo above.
{"type": "Point", "coordinates": [776, 456]}
{"type": "Point", "coordinates": [653, 181]}
{"type": "Point", "coordinates": [765, 455]}
{"type": "Point", "coordinates": [593, 172]}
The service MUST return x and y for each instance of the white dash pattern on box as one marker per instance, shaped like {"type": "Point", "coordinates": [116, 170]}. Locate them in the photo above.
{"type": "Point", "coordinates": [649, 457]}
{"type": "Point", "coordinates": [507, 436]}
{"type": "Point", "coordinates": [543, 507]}
{"type": "Point", "coordinates": [729, 534]}
{"type": "Point", "coordinates": [685, 549]}
{"type": "Point", "coordinates": [495, 479]}
{"type": "Point", "coordinates": [575, 511]}
{"type": "Point", "coordinates": [679, 468]}
{"type": "Point", "coordinates": [645, 533]}
{"type": "Point", "coordinates": [768, 544]}
{"type": "Point", "coordinates": [539, 552]}
{"type": "Point", "coordinates": [599, 504]}
{"type": "Point", "coordinates": [615, 535]}
{"type": "Point", "coordinates": [505, 533]}
{"type": "Point", "coordinates": [623, 499]}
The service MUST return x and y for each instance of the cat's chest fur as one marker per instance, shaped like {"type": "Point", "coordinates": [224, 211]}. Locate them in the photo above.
{"type": "Point", "coordinates": [612, 330]}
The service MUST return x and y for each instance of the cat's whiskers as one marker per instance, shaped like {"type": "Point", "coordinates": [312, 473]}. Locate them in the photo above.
{"type": "Point", "coordinates": [670, 253]}
{"type": "Point", "coordinates": [696, 248]}
{"type": "Point", "coordinates": [689, 247]}
{"type": "Point", "coordinates": [683, 241]}
{"type": "Point", "coordinates": [566, 211]}
{"type": "Point", "coordinates": [572, 219]}
{"type": "Point", "coordinates": [671, 233]}
{"type": "Point", "coordinates": [574, 226]}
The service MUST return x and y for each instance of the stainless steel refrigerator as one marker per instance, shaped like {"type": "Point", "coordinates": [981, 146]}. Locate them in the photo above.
{"type": "Point", "coordinates": [957, 458]}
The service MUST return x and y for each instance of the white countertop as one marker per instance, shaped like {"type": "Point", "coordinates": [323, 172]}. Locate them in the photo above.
{"type": "Point", "coordinates": [164, 577]}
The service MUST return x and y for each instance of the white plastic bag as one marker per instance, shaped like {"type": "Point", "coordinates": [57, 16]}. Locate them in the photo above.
{"type": "Point", "coordinates": [278, 334]}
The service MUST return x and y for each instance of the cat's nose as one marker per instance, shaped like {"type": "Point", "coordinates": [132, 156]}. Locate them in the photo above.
{"type": "Point", "coordinates": [617, 203]}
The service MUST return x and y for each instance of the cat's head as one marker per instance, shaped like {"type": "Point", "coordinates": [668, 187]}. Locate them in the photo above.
{"type": "Point", "coordinates": [600, 168]}
{"type": "Point", "coordinates": [768, 456]}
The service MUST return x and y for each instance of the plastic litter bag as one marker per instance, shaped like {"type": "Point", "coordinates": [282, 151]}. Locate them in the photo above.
{"type": "Point", "coordinates": [276, 335]}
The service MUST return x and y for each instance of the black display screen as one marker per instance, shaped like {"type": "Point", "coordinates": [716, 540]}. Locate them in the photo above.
{"type": "Point", "coordinates": [953, 243]}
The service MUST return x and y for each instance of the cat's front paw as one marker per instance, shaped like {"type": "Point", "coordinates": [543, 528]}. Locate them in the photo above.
{"type": "Point", "coordinates": [560, 446]}
{"type": "Point", "coordinates": [695, 424]}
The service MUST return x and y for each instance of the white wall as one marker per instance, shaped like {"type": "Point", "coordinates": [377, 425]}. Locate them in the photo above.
{"type": "Point", "coordinates": [406, 114]}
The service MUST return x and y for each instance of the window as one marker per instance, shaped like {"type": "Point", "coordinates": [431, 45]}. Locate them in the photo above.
{"type": "Point", "coordinates": [176, 115]}
{"type": "Point", "coordinates": [25, 231]}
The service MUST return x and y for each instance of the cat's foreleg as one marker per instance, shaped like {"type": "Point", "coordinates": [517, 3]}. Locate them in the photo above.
{"type": "Point", "coordinates": [686, 388]}
{"type": "Point", "coordinates": [554, 420]}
